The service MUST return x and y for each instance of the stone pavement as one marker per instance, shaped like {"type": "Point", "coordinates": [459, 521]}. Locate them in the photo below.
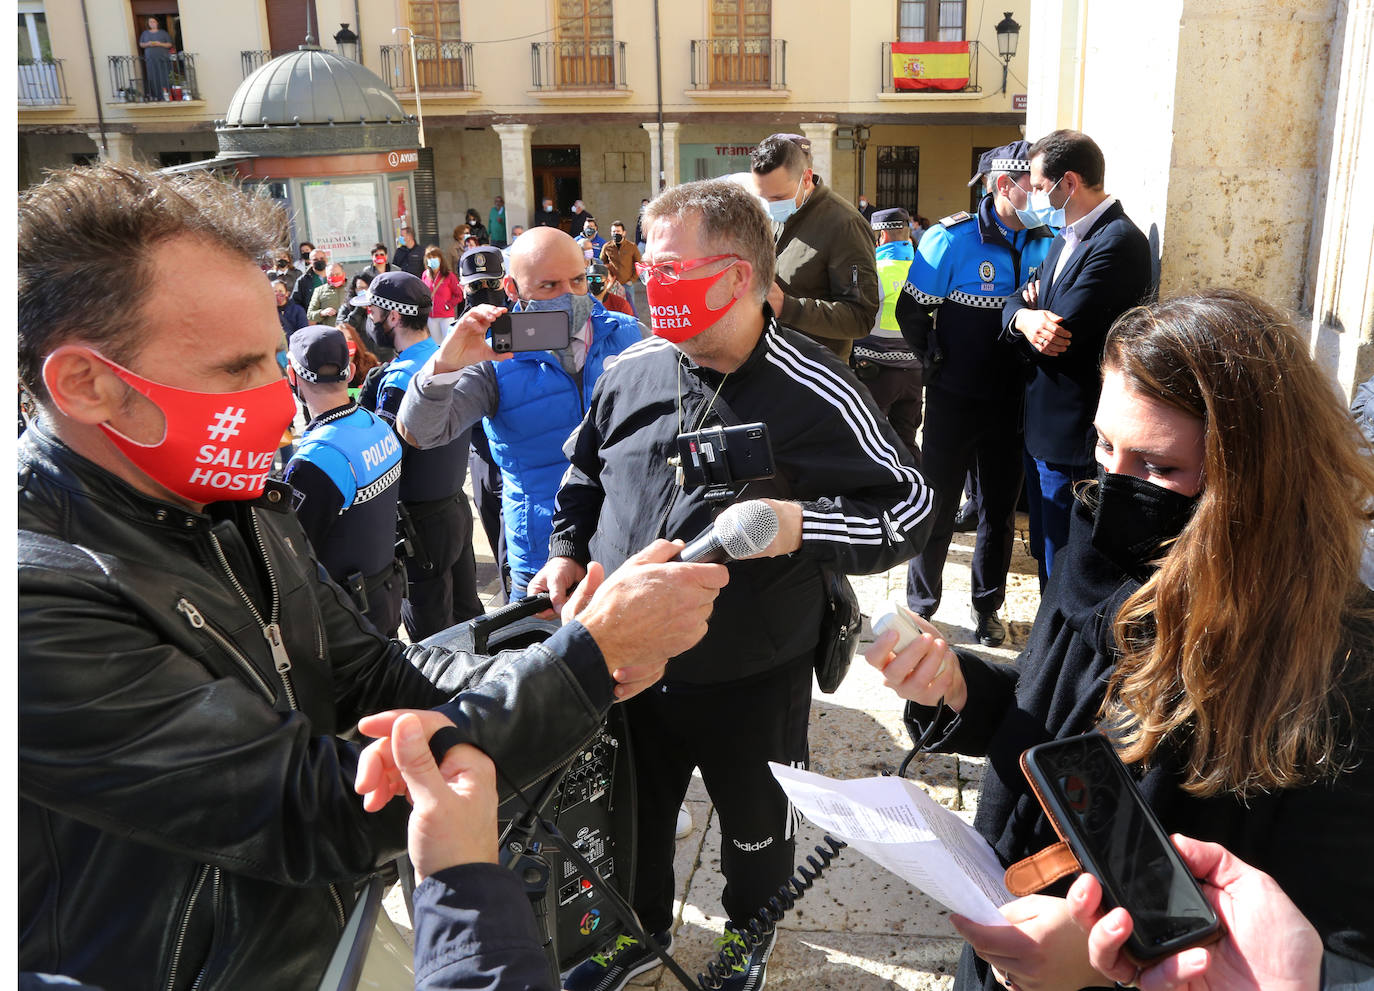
{"type": "Point", "coordinates": [860, 928]}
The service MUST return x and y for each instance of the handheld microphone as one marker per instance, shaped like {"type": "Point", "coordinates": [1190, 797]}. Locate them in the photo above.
{"type": "Point", "coordinates": [743, 529]}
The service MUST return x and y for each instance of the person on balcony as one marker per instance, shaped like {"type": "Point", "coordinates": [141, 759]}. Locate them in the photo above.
{"type": "Point", "coordinates": [157, 61]}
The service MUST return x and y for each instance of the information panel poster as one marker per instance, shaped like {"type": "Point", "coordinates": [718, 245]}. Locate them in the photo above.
{"type": "Point", "coordinates": [341, 217]}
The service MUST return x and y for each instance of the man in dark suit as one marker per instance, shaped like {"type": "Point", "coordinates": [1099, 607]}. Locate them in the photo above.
{"type": "Point", "coordinates": [1097, 268]}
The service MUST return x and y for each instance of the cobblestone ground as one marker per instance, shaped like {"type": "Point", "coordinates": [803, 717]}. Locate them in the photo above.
{"type": "Point", "coordinates": [861, 928]}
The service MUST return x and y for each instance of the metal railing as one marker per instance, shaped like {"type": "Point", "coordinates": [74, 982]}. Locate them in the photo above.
{"type": "Point", "coordinates": [890, 86]}
{"type": "Point", "coordinates": [441, 65]}
{"type": "Point", "coordinates": [739, 63]}
{"type": "Point", "coordinates": [129, 82]}
{"type": "Point", "coordinates": [42, 83]}
{"type": "Point", "coordinates": [577, 64]}
{"type": "Point", "coordinates": [255, 59]}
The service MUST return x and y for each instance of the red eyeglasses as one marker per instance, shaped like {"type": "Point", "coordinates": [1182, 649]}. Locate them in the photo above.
{"type": "Point", "coordinates": [670, 272]}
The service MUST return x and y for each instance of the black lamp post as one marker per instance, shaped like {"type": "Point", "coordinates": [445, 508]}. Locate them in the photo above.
{"type": "Point", "coordinates": [346, 43]}
{"type": "Point", "coordinates": [1008, 33]}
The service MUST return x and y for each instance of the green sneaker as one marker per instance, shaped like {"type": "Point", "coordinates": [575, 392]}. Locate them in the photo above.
{"type": "Point", "coordinates": [748, 958]}
{"type": "Point", "coordinates": [620, 960]}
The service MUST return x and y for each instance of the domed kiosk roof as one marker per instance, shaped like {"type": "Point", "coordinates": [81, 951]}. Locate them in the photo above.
{"type": "Point", "coordinates": [312, 101]}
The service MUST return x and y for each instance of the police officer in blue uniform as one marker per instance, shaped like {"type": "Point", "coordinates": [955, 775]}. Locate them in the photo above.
{"type": "Point", "coordinates": [346, 474]}
{"type": "Point", "coordinates": [884, 361]}
{"type": "Point", "coordinates": [436, 519]}
{"type": "Point", "coordinates": [965, 267]}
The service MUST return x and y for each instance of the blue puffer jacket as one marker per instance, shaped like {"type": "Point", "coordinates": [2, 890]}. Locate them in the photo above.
{"type": "Point", "coordinates": [540, 406]}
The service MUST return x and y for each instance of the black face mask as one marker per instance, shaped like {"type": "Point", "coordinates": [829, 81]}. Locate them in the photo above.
{"type": "Point", "coordinates": [317, 266]}
{"type": "Point", "coordinates": [384, 335]}
{"type": "Point", "coordinates": [1135, 519]}
{"type": "Point", "coordinates": [617, 238]}
{"type": "Point", "coordinates": [492, 297]}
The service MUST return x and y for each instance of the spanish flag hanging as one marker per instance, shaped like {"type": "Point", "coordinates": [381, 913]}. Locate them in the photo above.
{"type": "Point", "coordinates": [930, 65]}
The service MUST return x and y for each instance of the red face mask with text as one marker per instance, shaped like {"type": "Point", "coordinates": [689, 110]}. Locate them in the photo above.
{"type": "Point", "coordinates": [678, 310]}
{"type": "Point", "coordinates": [216, 445]}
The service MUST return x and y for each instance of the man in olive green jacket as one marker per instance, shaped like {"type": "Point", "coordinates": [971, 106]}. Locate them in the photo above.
{"type": "Point", "coordinates": [827, 282]}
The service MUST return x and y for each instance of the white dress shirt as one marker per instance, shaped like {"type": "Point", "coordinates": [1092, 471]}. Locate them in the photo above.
{"type": "Point", "coordinates": [1076, 231]}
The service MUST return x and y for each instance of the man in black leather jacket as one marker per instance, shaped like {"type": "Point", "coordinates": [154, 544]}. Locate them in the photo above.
{"type": "Point", "coordinates": [187, 808]}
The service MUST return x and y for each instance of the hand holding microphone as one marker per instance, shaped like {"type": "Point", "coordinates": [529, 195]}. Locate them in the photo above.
{"type": "Point", "coordinates": [756, 528]}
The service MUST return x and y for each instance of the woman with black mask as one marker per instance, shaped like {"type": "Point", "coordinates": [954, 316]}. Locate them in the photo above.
{"type": "Point", "coordinates": [1209, 618]}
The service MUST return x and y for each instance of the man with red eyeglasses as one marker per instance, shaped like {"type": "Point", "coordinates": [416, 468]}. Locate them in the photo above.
{"type": "Point", "coordinates": [848, 499]}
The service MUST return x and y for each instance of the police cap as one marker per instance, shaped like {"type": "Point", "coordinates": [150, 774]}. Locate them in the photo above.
{"type": "Point", "coordinates": [1014, 157]}
{"type": "Point", "coordinates": [399, 291]}
{"type": "Point", "coordinates": [892, 219]}
{"type": "Point", "coordinates": [319, 354]}
{"type": "Point", "coordinates": [480, 263]}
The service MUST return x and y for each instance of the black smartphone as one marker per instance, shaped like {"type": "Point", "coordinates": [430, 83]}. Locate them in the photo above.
{"type": "Point", "coordinates": [726, 455]}
{"type": "Point", "coordinates": [540, 330]}
{"type": "Point", "coordinates": [1098, 810]}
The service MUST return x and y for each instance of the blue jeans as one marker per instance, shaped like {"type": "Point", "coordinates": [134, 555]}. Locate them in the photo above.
{"type": "Point", "coordinates": [520, 583]}
{"type": "Point", "coordinates": [1049, 498]}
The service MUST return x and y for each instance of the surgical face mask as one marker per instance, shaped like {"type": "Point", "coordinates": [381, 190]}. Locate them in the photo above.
{"type": "Point", "coordinates": [215, 445]}
{"type": "Point", "coordinates": [577, 307]}
{"type": "Point", "coordinates": [433, 264]}
{"type": "Point", "coordinates": [780, 210]}
{"type": "Point", "coordinates": [1044, 212]}
{"type": "Point", "coordinates": [1024, 214]}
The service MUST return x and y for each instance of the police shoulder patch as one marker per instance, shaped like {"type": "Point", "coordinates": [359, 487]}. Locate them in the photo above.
{"type": "Point", "coordinates": [956, 218]}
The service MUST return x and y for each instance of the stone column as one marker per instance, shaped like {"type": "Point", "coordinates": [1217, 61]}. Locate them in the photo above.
{"type": "Point", "coordinates": [670, 164]}
{"type": "Point", "coordinates": [822, 147]}
{"type": "Point", "coordinates": [517, 175]}
{"type": "Point", "coordinates": [1342, 295]}
{"type": "Point", "coordinates": [121, 146]}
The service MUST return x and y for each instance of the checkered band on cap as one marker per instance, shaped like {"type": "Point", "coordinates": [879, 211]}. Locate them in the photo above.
{"type": "Point", "coordinates": [309, 376]}
{"type": "Point", "coordinates": [1010, 165]}
{"type": "Point", "coordinates": [891, 225]}
{"type": "Point", "coordinates": [409, 309]}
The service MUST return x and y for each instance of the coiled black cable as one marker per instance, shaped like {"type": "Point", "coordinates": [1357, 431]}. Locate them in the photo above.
{"type": "Point", "coordinates": [731, 959]}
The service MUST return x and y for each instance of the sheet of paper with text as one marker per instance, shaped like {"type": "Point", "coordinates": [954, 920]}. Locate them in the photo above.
{"type": "Point", "coordinates": [894, 822]}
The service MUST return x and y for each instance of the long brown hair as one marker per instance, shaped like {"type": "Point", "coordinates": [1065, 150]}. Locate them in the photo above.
{"type": "Point", "coordinates": [1242, 646]}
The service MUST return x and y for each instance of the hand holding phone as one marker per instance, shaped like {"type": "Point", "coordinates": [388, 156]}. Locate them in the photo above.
{"type": "Point", "coordinates": [1095, 806]}
{"type": "Point", "coordinates": [466, 343]}
{"type": "Point", "coordinates": [536, 330]}
{"type": "Point", "coordinates": [1268, 945]}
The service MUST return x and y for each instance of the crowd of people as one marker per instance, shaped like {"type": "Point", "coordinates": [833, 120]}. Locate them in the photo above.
{"type": "Point", "coordinates": [206, 614]}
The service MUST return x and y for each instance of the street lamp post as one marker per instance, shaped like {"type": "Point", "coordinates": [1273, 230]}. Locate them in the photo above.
{"type": "Point", "coordinates": [1008, 31]}
{"type": "Point", "coordinates": [346, 42]}
{"type": "Point", "coordinates": [414, 81]}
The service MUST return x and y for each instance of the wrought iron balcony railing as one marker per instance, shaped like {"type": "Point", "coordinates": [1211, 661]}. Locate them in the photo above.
{"type": "Point", "coordinates": [556, 65]}
{"type": "Point", "coordinates": [42, 83]}
{"type": "Point", "coordinates": [254, 59]}
{"type": "Point", "coordinates": [441, 65]}
{"type": "Point", "coordinates": [739, 63]}
{"type": "Point", "coordinates": [132, 80]}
